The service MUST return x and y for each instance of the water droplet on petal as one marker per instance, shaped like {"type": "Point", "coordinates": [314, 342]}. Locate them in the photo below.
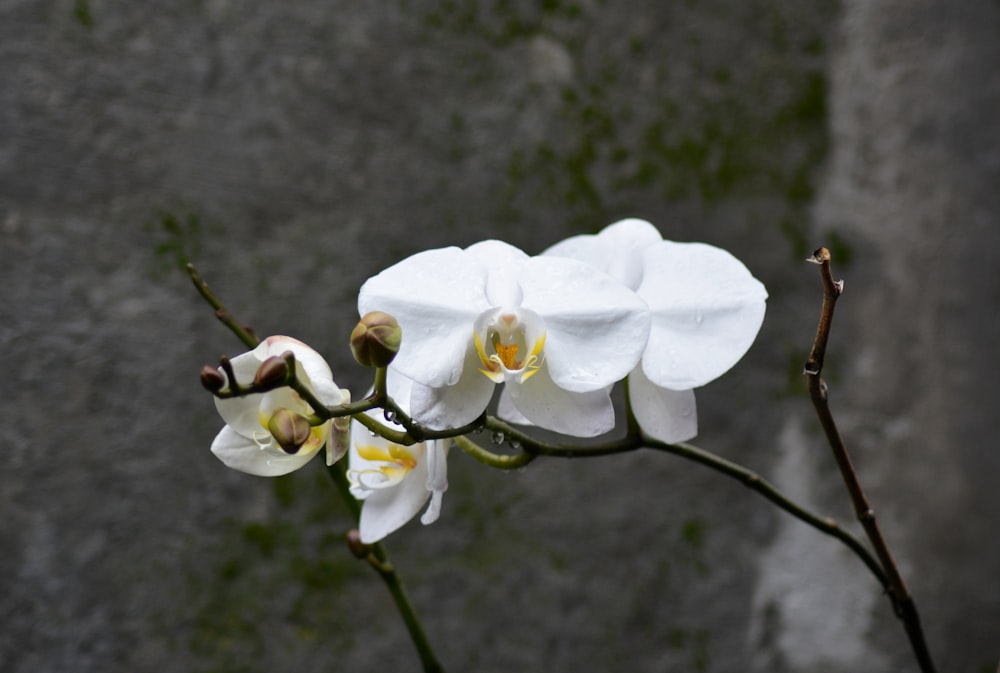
{"type": "Point", "coordinates": [516, 445]}
{"type": "Point", "coordinates": [497, 438]}
{"type": "Point", "coordinates": [698, 317]}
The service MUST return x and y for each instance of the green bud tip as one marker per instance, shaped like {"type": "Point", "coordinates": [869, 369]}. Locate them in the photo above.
{"type": "Point", "coordinates": [375, 340]}
{"type": "Point", "coordinates": [289, 429]}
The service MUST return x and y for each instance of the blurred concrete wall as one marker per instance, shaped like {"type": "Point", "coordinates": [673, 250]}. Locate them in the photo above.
{"type": "Point", "coordinates": [294, 149]}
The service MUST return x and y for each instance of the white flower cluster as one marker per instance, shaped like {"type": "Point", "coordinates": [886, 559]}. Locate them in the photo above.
{"type": "Point", "coordinates": [558, 330]}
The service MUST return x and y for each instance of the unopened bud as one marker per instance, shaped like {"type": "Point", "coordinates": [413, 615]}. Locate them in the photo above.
{"type": "Point", "coordinates": [212, 379]}
{"type": "Point", "coordinates": [273, 372]}
{"type": "Point", "coordinates": [375, 340]}
{"type": "Point", "coordinates": [357, 547]}
{"type": "Point", "coordinates": [289, 429]}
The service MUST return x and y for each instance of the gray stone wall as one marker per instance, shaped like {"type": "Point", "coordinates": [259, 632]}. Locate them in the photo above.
{"type": "Point", "coordinates": [293, 149]}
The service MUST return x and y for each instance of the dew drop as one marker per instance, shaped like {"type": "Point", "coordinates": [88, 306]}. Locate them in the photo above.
{"type": "Point", "coordinates": [698, 317]}
{"type": "Point", "coordinates": [497, 438]}
{"type": "Point", "coordinates": [516, 445]}
{"type": "Point", "coordinates": [389, 415]}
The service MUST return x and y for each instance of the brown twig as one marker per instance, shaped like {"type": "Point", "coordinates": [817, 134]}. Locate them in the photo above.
{"type": "Point", "coordinates": [242, 332]}
{"type": "Point", "coordinates": [903, 604]}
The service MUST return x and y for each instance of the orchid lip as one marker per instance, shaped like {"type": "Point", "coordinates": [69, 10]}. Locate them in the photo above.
{"type": "Point", "coordinates": [509, 343]}
{"type": "Point", "coordinates": [393, 464]}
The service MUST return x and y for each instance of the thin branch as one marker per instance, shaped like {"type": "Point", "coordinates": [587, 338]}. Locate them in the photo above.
{"type": "Point", "coordinates": [903, 604]}
{"type": "Point", "coordinates": [242, 332]}
{"type": "Point", "coordinates": [747, 477]}
{"type": "Point", "coordinates": [499, 461]}
{"type": "Point", "coordinates": [754, 482]}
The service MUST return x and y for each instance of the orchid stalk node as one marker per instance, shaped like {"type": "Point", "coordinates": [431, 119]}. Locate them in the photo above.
{"type": "Point", "coordinates": [376, 339]}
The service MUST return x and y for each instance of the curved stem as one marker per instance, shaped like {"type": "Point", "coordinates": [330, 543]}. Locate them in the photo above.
{"type": "Point", "coordinates": [754, 482]}
{"type": "Point", "coordinates": [747, 477]}
{"type": "Point", "coordinates": [499, 461]}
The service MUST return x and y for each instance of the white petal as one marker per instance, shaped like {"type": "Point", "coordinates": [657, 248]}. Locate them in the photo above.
{"type": "Point", "coordinates": [316, 368]}
{"type": "Point", "coordinates": [385, 511]}
{"type": "Point", "coordinates": [437, 465]}
{"type": "Point", "coordinates": [707, 309]}
{"type": "Point", "coordinates": [328, 392]}
{"type": "Point", "coordinates": [668, 415]}
{"type": "Point", "coordinates": [576, 414]}
{"type": "Point", "coordinates": [596, 327]}
{"type": "Point", "coordinates": [242, 414]}
{"type": "Point", "coordinates": [245, 364]}
{"type": "Point", "coordinates": [435, 295]}
{"type": "Point", "coordinates": [616, 250]}
{"type": "Point", "coordinates": [437, 478]}
{"type": "Point", "coordinates": [243, 454]}
{"type": "Point", "coordinates": [508, 412]}
{"type": "Point", "coordinates": [456, 405]}
{"type": "Point", "coordinates": [504, 263]}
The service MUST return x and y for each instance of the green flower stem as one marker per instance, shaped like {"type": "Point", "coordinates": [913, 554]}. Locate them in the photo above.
{"type": "Point", "coordinates": [499, 461]}
{"type": "Point", "coordinates": [394, 436]}
{"type": "Point", "coordinates": [378, 559]}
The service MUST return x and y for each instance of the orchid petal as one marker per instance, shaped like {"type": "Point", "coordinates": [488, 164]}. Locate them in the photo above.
{"type": "Point", "coordinates": [437, 478]}
{"type": "Point", "coordinates": [242, 414]}
{"type": "Point", "coordinates": [503, 262]}
{"type": "Point", "coordinates": [508, 412]}
{"type": "Point", "coordinates": [386, 510]}
{"type": "Point", "coordinates": [596, 327]}
{"type": "Point", "coordinates": [243, 454]}
{"type": "Point", "coordinates": [616, 250]}
{"type": "Point", "coordinates": [549, 406]}
{"type": "Point", "coordinates": [316, 368]}
{"type": "Point", "coordinates": [453, 406]}
{"type": "Point", "coordinates": [435, 296]}
{"type": "Point", "coordinates": [707, 309]}
{"type": "Point", "coordinates": [668, 415]}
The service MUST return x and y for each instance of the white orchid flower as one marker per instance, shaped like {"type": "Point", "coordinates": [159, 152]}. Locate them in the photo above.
{"type": "Point", "coordinates": [246, 443]}
{"type": "Point", "coordinates": [556, 332]}
{"type": "Point", "coordinates": [706, 307]}
{"type": "Point", "coordinates": [395, 481]}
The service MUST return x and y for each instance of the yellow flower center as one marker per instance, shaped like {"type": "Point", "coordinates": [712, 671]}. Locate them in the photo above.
{"type": "Point", "coordinates": [396, 461]}
{"type": "Point", "coordinates": [508, 351]}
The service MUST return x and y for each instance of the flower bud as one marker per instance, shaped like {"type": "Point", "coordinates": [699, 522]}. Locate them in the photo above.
{"type": "Point", "coordinates": [289, 429]}
{"type": "Point", "coordinates": [212, 379]}
{"type": "Point", "coordinates": [273, 372]}
{"type": "Point", "coordinates": [375, 340]}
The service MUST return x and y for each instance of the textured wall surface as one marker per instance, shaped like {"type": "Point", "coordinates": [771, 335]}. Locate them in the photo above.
{"type": "Point", "coordinates": [293, 149]}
